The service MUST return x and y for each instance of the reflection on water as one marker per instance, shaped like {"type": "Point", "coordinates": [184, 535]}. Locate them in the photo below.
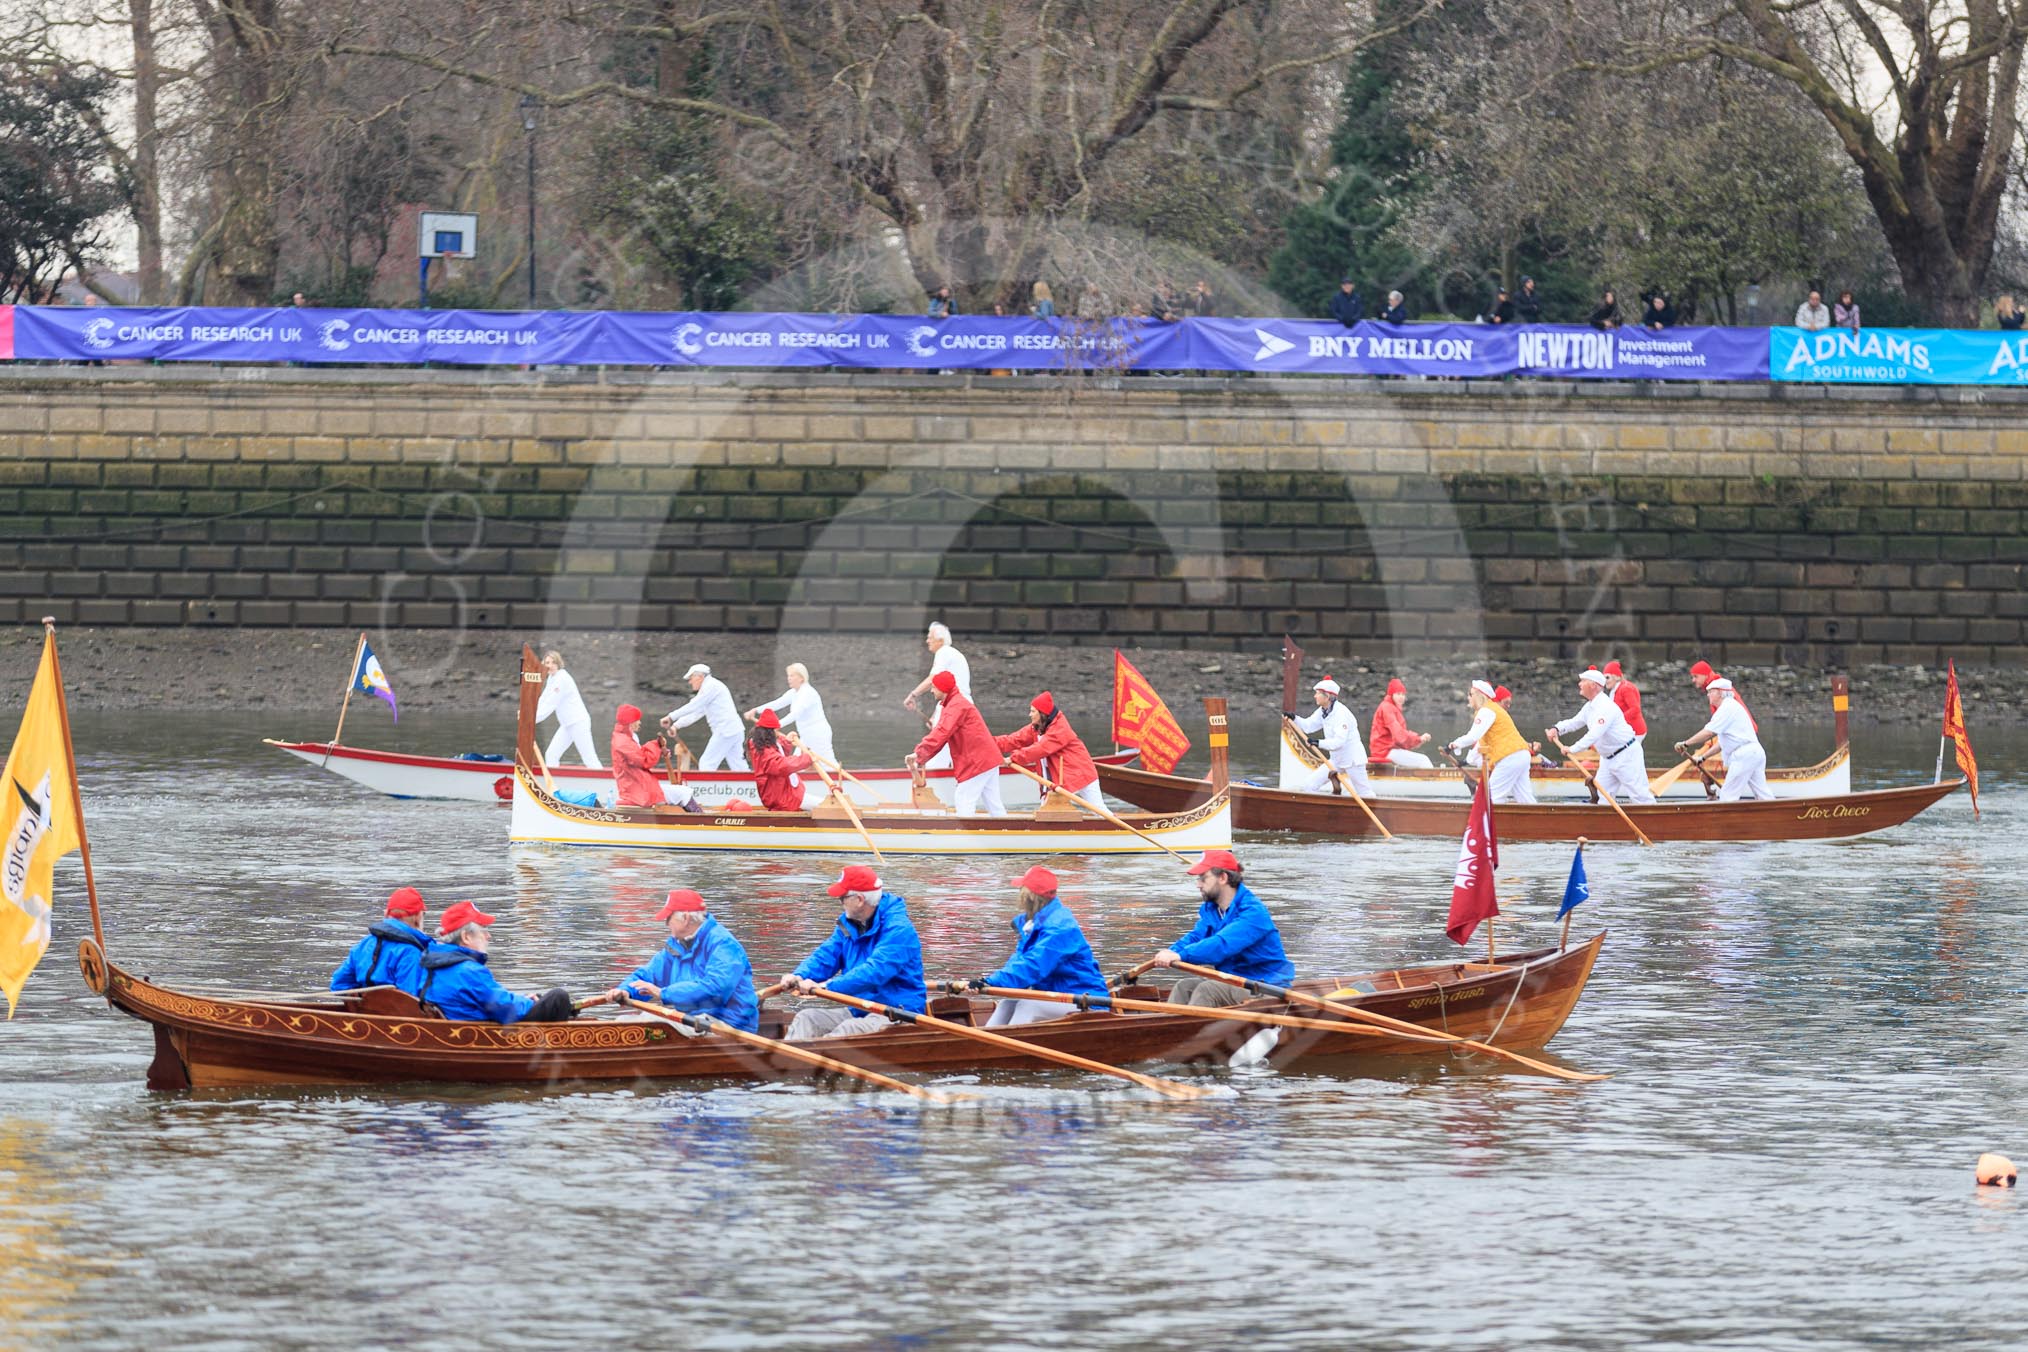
{"type": "Point", "coordinates": [1764, 1009]}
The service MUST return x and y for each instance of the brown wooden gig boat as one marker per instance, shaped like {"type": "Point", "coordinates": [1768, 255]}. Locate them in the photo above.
{"type": "Point", "coordinates": [211, 1040]}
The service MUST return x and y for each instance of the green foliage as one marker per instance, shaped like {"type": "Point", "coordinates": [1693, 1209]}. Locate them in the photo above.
{"type": "Point", "coordinates": [55, 184]}
{"type": "Point", "coordinates": [352, 286]}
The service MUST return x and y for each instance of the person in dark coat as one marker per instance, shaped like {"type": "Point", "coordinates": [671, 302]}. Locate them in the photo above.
{"type": "Point", "coordinates": [1660, 314]}
{"type": "Point", "coordinates": [391, 954]}
{"type": "Point", "coordinates": [1348, 307]}
{"type": "Point", "coordinates": [1397, 309]}
{"type": "Point", "coordinates": [1503, 308]}
{"type": "Point", "coordinates": [1528, 305]}
{"type": "Point", "coordinates": [1606, 314]}
{"type": "Point", "coordinates": [458, 984]}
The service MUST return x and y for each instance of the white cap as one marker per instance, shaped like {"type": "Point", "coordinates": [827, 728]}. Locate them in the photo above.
{"type": "Point", "coordinates": [1327, 685]}
{"type": "Point", "coordinates": [1484, 687]}
{"type": "Point", "coordinates": [1718, 683]}
{"type": "Point", "coordinates": [1592, 674]}
{"type": "Point", "coordinates": [697, 670]}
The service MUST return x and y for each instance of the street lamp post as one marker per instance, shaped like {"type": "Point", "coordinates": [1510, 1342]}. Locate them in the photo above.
{"type": "Point", "coordinates": [528, 125]}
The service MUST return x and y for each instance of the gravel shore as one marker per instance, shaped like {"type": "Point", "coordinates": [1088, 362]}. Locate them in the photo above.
{"type": "Point", "coordinates": [304, 670]}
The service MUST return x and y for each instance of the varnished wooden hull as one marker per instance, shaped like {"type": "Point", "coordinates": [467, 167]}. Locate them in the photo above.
{"type": "Point", "coordinates": [1259, 809]}
{"type": "Point", "coordinates": [205, 1041]}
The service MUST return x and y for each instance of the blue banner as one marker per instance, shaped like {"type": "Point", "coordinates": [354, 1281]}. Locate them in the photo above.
{"type": "Point", "coordinates": [1899, 356]}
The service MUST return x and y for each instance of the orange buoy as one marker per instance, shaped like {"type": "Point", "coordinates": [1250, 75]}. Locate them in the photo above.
{"type": "Point", "coordinates": [1996, 1170]}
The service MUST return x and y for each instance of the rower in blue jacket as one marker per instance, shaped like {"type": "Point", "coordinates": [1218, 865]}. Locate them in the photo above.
{"type": "Point", "coordinates": [457, 983]}
{"type": "Point", "coordinates": [874, 954]}
{"type": "Point", "coordinates": [391, 954]}
{"type": "Point", "coordinates": [701, 970]}
{"type": "Point", "coordinates": [1050, 954]}
{"type": "Point", "coordinates": [1234, 933]}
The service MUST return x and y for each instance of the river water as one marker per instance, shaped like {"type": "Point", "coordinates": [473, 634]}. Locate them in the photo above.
{"type": "Point", "coordinates": [1810, 1044]}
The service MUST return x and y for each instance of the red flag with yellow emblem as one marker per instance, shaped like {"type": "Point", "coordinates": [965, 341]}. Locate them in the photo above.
{"type": "Point", "coordinates": [1140, 719]}
{"type": "Point", "coordinates": [1954, 730]}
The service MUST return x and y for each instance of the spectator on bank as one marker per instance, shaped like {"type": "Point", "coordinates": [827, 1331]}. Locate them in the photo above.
{"type": "Point", "coordinates": [1845, 314]}
{"type": "Point", "coordinates": [1503, 308]}
{"type": "Point", "coordinates": [1528, 305]}
{"type": "Point", "coordinates": [1199, 304]}
{"type": "Point", "coordinates": [1041, 303]}
{"type": "Point", "coordinates": [2005, 315]}
{"type": "Point", "coordinates": [1348, 307]}
{"type": "Point", "coordinates": [298, 301]}
{"type": "Point", "coordinates": [1396, 311]}
{"type": "Point", "coordinates": [941, 305]}
{"type": "Point", "coordinates": [1812, 314]}
{"type": "Point", "coordinates": [1605, 314]}
{"type": "Point", "coordinates": [1163, 304]}
{"type": "Point", "coordinates": [1660, 314]}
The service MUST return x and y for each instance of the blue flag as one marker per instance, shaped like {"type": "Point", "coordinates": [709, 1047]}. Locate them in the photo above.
{"type": "Point", "coordinates": [1578, 889]}
{"type": "Point", "coordinates": [369, 679]}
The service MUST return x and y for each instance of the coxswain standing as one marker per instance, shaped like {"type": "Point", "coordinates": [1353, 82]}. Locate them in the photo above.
{"type": "Point", "coordinates": [1234, 933]}
{"type": "Point", "coordinates": [804, 707]}
{"type": "Point", "coordinates": [712, 702]}
{"type": "Point", "coordinates": [560, 698]}
{"type": "Point", "coordinates": [700, 970]}
{"type": "Point", "coordinates": [1050, 954]}
{"type": "Point", "coordinates": [774, 771]}
{"type": "Point", "coordinates": [1049, 747]}
{"type": "Point", "coordinates": [391, 953]}
{"type": "Point", "coordinates": [1738, 743]}
{"type": "Point", "coordinates": [1499, 745]}
{"type": "Point", "coordinates": [1337, 732]}
{"type": "Point", "coordinates": [975, 760]}
{"type": "Point", "coordinates": [1622, 769]}
{"type": "Point", "coordinates": [874, 954]}
{"type": "Point", "coordinates": [943, 657]}
{"type": "Point", "coordinates": [634, 782]}
{"type": "Point", "coordinates": [458, 984]}
{"type": "Point", "coordinates": [1392, 743]}
{"type": "Point", "coordinates": [1701, 676]}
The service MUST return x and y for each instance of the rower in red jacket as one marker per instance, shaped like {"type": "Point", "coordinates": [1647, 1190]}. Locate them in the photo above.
{"type": "Point", "coordinates": [1701, 676]}
{"type": "Point", "coordinates": [1048, 746]}
{"type": "Point", "coordinates": [774, 772]}
{"type": "Point", "coordinates": [1628, 696]}
{"type": "Point", "coordinates": [974, 759]}
{"type": "Point", "coordinates": [634, 781]}
{"type": "Point", "coordinates": [1392, 742]}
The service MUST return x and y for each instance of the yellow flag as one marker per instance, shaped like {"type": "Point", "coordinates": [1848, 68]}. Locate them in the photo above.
{"type": "Point", "coordinates": [38, 826]}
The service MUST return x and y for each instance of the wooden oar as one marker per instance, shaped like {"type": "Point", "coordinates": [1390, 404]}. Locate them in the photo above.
{"type": "Point", "coordinates": [1463, 769]}
{"type": "Point", "coordinates": [1345, 783]}
{"type": "Point", "coordinates": [1381, 1020]}
{"type": "Point", "coordinates": [1095, 809]}
{"type": "Point", "coordinates": [1131, 975]}
{"type": "Point", "coordinates": [835, 768]}
{"type": "Point", "coordinates": [704, 1023]}
{"type": "Point", "coordinates": [1697, 762]}
{"type": "Point", "coordinates": [1604, 797]}
{"type": "Point", "coordinates": [1170, 1088]}
{"type": "Point", "coordinates": [846, 803]}
{"type": "Point", "coordinates": [1212, 1013]}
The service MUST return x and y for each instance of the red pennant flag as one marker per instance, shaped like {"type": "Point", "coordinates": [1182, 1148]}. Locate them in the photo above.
{"type": "Point", "coordinates": [1954, 730]}
{"type": "Point", "coordinates": [1140, 719]}
{"type": "Point", "coordinates": [1479, 854]}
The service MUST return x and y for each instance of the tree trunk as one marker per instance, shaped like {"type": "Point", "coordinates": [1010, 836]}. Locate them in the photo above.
{"type": "Point", "coordinates": [147, 203]}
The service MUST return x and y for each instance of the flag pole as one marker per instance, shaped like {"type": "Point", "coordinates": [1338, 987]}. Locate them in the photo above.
{"type": "Point", "coordinates": [1564, 942]}
{"type": "Point", "coordinates": [84, 847]}
{"type": "Point", "coordinates": [351, 682]}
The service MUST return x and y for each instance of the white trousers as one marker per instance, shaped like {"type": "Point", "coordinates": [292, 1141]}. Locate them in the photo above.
{"type": "Point", "coordinates": [677, 795]}
{"type": "Point", "coordinates": [1507, 781]}
{"type": "Point", "coordinates": [820, 1021]}
{"type": "Point", "coordinates": [985, 788]}
{"type": "Point", "coordinates": [1625, 776]}
{"type": "Point", "coordinates": [817, 741]}
{"type": "Point", "coordinates": [1090, 793]}
{"type": "Point", "coordinates": [724, 751]}
{"type": "Point", "coordinates": [567, 736]}
{"type": "Point", "coordinates": [1320, 780]}
{"type": "Point", "coordinates": [1413, 760]}
{"type": "Point", "coordinates": [1746, 775]}
{"type": "Point", "coordinates": [1008, 1012]}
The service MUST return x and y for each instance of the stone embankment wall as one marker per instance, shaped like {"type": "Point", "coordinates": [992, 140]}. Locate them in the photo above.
{"type": "Point", "coordinates": [1524, 519]}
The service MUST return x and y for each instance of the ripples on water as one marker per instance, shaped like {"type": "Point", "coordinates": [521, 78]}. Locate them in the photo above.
{"type": "Point", "coordinates": [1811, 1043]}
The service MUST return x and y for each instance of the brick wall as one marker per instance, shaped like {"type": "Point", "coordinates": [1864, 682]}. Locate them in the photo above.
{"type": "Point", "coordinates": [1746, 525]}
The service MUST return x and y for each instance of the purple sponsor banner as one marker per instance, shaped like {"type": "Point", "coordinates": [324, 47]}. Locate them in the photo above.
{"type": "Point", "coordinates": [885, 342]}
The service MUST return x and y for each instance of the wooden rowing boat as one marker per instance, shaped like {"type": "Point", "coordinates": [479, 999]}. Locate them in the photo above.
{"type": "Point", "coordinates": [539, 816]}
{"type": "Point", "coordinates": [218, 1041]}
{"type": "Point", "coordinates": [1262, 809]}
{"type": "Point", "coordinates": [490, 779]}
{"type": "Point", "coordinates": [1830, 777]}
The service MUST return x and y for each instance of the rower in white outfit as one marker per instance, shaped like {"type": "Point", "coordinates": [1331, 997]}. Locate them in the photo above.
{"type": "Point", "coordinates": [1738, 743]}
{"type": "Point", "coordinates": [1498, 744]}
{"type": "Point", "coordinates": [712, 703]}
{"type": "Point", "coordinates": [1337, 732]}
{"type": "Point", "coordinates": [802, 706]}
{"type": "Point", "coordinates": [561, 700]}
{"type": "Point", "coordinates": [1622, 765]}
{"type": "Point", "coordinates": [943, 657]}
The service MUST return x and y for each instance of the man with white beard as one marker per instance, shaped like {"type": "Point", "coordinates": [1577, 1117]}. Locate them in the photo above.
{"type": "Point", "coordinates": [1745, 758]}
{"type": "Point", "coordinates": [1622, 766]}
